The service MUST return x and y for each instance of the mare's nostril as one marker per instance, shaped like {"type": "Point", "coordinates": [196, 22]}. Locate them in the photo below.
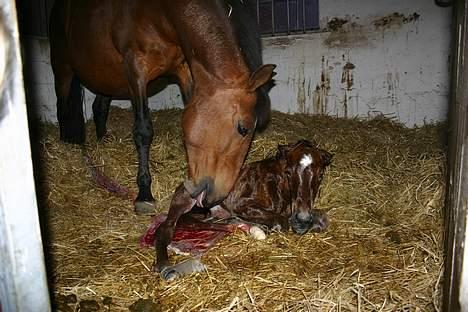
{"type": "Point", "coordinates": [203, 186]}
{"type": "Point", "coordinates": [208, 186]}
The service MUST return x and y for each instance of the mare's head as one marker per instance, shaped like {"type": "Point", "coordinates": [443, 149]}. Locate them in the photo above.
{"type": "Point", "coordinates": [218, 125]}
{"type": "Point", "coordinates": [305, 166]}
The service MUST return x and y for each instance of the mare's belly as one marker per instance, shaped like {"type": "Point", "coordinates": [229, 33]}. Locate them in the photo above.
{"type": "Point", "coordinates": [96, 48]}
{"type": "Point", "coordinates": [105, 77]}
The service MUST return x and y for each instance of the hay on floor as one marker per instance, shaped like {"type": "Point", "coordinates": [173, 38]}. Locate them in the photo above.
{"type": "Point", "coordinates": [383, 251]}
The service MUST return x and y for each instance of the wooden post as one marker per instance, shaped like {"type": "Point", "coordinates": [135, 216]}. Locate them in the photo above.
{"type": "Point", "coordinates": [23, 284]}
{"type": "Point", "coordinates": [456, 265]}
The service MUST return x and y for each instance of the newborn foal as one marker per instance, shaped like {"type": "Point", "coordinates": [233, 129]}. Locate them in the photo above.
{"type": "Point", "coordinates": [276, 192]}
{"type": "Point", "coordinates": [279, 192]}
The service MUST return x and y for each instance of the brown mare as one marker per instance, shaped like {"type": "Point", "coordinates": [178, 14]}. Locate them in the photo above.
{"type": "Point", "coordinates": [117, 48]}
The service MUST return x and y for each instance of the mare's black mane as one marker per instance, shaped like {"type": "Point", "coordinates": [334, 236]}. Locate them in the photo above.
{"type": "Point", "coordinates": [244, 21]}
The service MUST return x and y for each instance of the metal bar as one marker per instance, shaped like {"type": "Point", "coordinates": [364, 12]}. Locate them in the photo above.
{"type": "Point", "coordinates": [273, 17]}
{"type": "Point", "coordinates": [303, 16]}
{"type": "Point", "coordinates": [297, 15]}
{"type": "Point", "coordinates": [317, 12]}
{"type": "Point", "coordinates": [287, 11]}
{"type": "Point", "coordinates": [45, 19]}
{"type": "Point", "coordinates": [49, 4]}
{"type": "Point", "coordinates": [258, 12]}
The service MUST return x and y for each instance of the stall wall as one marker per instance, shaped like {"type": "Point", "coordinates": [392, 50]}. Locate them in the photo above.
{"type": "Point", "coordinates": [371, 58]}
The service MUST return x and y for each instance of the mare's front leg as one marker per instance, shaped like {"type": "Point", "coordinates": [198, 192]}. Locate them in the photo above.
{"type": "Point", "coordinates": [181, 203]}
{"type": "Point", "coordinates": [142, 131]}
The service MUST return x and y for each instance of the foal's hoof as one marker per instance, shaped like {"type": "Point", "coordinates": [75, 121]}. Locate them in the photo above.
{"type": "Point", "coordinates": [169, 274]}
{"type": "Point", "coordinates": [257, 233]}
{"type": "Point", "coordinates": [186, 267]}
{"type": "Point", "coordinates": [145, 207]}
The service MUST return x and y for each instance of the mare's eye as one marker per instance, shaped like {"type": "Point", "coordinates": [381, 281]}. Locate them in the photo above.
{"type": "Point", "coordinates": [242, 130]}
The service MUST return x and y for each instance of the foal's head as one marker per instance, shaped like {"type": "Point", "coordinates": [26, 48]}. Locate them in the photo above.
{"type": "Point", "coordinates": [218, 125]}
{"type": "Point", "coordinates": [305, 168]}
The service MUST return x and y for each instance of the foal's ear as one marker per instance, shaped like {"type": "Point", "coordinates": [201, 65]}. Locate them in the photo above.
{"type": "Point", "coordinates": [282, 151]}
{"type": "Point", "coordinates": [261, 76]}
{"type": "Point", "coordinates": [326, 157]}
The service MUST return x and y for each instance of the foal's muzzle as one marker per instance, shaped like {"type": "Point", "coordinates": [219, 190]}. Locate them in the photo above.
{"type": "Point", "coordinates": [315, 221]}
{"type": "Point", "coordinates": [300, 222]}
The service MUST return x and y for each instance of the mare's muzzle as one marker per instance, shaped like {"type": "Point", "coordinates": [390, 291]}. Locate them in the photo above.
{"type": "Point", "coordinates": [199, 191]}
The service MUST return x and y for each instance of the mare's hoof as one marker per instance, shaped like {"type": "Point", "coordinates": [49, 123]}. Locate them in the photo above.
{"type": "Point", "coordinates": [186, 267]}
{"type": "Point", "coordinates": [145, 207]}
{"type": "Point", "coordinates": [102, 135]}
{"type": "Point", "coordinates": [72, 138]}
{"type": "Point", "coordinates": [72, 131]}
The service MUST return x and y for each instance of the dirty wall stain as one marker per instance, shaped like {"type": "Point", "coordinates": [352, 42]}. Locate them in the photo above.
{"type": "Point", "coordinates": [395, 19]}
{"type": "Point", "coordinates": [301, 94]}
{"type": "Point", "coordinates": [345, 33]}
{"type": "Point", "coordinates": [348, 33]}
{"type": "Point", "coordinates": [322, 90]}
{"type": "Point", "coordinates": [392, 82]}
{"type": "Point", "coordinates": [347, 81]}
{"type": "Point", "coordinates": [347, 77]}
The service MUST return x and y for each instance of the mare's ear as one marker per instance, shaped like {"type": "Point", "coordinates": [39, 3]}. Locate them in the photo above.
{"type": "Point", "coordinates": [326, 157]}
{"type": "Point", "coordinates": [261, 76]}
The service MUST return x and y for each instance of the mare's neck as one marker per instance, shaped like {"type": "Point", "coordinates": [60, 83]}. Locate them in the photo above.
{"type": "Point", "coordinates": [210, 44]}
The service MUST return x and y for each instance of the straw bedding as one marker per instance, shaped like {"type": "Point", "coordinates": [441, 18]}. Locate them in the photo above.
{"type": "Point", "coordinates": [383, 251]}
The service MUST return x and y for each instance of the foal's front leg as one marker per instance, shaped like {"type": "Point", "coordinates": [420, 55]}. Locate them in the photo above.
{"type": "Point", "coordinates": [181, 203]}
{"type": "Point", "coordinates": [142, 131]}
{"type": "Point", "coordinates": [252, 212]}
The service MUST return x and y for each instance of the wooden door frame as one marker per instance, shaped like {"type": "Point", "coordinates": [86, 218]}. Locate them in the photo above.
{"type": "Point", "coordinates": [457, 177]}
{"type": "Point", "coordinates": [23, 282]}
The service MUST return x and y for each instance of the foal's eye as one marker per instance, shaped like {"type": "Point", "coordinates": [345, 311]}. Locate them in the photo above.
{"type": "Point", "coordinates": [242, 130]}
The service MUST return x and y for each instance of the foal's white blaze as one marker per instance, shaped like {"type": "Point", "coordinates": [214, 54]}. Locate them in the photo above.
{"type": "Point", "coordinates": [306, 160]}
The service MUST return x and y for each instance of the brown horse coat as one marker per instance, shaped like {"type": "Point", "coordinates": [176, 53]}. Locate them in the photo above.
{"type": "Point", "coordinates": [116, 48]}
{"type": "Point", "coordinates": [279, 192]}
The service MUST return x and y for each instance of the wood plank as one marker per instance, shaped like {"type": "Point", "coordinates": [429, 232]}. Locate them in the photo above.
{"type": "Point", "coordinates": [457, 182]}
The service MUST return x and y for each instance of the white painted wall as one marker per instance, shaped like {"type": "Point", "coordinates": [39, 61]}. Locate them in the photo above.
{"type": "Point", "coordinates": [400, 70]}
{"type": "Point", "coordinates": [398, 65]}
